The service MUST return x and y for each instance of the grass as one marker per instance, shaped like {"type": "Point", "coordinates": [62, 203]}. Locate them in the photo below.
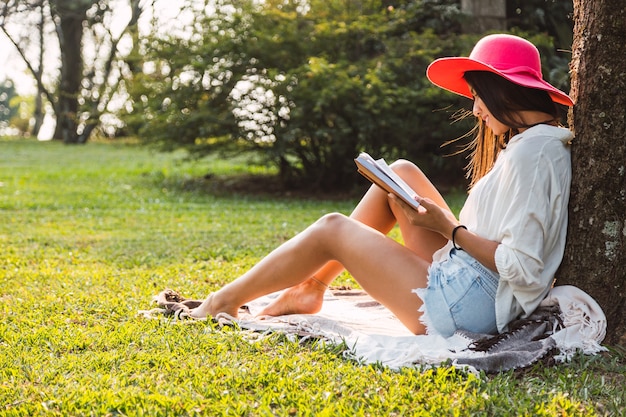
{"type": "Point", "coordinates": [90, 233]}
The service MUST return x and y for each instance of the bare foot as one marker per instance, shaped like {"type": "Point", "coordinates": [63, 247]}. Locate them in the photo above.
{"type": "Point", "coordinates": [210, 308]}
{"type": "Point", "coordinates": [203, 310]}
{"type": "Point", "coordinates": [305, 298]}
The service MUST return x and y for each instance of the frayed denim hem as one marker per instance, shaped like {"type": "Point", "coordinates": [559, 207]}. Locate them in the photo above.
{"type": "Point", "coordinates": [425, 318]}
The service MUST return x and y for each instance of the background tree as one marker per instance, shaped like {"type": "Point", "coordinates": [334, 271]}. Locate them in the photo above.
{"type": "Point", "coordinates": [86, 82]}
{"type": "Point", "coordinates": [556, 18]}
{"type": "Point", "coordinates": [39, 113]}
{"type": "Point", "coordinates": [486, 15]}
{"type": "Point", "coordinates": [595, 256]}
{"type": "Point", "coordinates": [19, 21]}
{"type": "Point", "coordinates": [15, 110]}
{"type": "Point", "coordinates": [308, 87]}
{"type": "Point", "coordinates": [180, 87]}
{"type": "Point", "coordinates": [7, 109]}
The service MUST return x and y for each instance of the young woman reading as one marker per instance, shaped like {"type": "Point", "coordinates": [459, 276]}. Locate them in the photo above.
{"type": "Point", "coordinates": [492, 265]}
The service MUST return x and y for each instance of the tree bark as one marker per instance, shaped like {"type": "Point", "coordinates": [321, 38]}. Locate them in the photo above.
{"type": "Point", "coordinates": [70, 32]}
{"type": "Point", "coordinates": [486, 15]}
{"type": "Point", "coordinates": [595, 257]}
{"type": "Point", "coordinates": [38, 113]}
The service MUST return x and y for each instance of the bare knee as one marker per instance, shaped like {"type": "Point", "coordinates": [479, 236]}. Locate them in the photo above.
{"type": "Point", "coordinates": [417, 180]}
{"type": "Point", "coordinates": [331, 221]}
{"type": "Point", "coordinates": [406, 168]}
{"type": "Point", "coordinates": [329, 226]}
{"type": "Point", "coordinates": [333, 233]}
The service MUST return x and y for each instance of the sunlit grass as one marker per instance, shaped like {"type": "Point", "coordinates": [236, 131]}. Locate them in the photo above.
{"type": "Point", "coordinates": [90, 233]}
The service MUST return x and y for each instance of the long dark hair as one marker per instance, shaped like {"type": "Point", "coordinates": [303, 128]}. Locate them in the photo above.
{"type": "Point", "coordinates": [504, 100]}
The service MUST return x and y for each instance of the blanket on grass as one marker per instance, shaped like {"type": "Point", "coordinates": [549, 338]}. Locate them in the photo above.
{"type": "Point", "coordinates": [567, 321]}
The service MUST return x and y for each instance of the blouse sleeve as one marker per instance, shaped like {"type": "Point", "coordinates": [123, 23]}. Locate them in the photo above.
{"type": "Point", "coordinates": [536, 184]}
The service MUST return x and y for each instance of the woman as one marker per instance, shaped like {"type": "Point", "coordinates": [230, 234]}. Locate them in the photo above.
{"type": "Point", "coordinates": [494, 264]}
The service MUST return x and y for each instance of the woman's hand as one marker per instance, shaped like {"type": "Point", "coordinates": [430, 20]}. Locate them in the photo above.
{"type": "Point", "coordinates": [429, 215]}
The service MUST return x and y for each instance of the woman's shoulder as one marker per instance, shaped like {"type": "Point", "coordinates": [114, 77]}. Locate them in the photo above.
{"type": "Point", "coordinates": [545, 133]}
{"type": "Point", "coordinates": [541, 139]}
{"type": "Point", "coordinates": [539, 147]}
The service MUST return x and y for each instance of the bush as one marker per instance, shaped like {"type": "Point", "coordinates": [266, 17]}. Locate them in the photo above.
{"type": "Point", "coordinates": [309, 88]}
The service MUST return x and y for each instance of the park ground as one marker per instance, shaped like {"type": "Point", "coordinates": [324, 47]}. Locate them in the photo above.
{"type": "Point", "coordinates": [90, 233]}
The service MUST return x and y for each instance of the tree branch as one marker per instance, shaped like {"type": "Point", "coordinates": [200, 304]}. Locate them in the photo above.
{"type": "Point", "coordinates": [34, 71]}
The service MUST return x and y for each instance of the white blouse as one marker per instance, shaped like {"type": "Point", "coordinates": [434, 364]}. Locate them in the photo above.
{"type": "Point", "coordinates": [522, 203]}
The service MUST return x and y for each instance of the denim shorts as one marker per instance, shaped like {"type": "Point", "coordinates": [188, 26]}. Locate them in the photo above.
{"type": "Point", "coordinates": [460, 295]}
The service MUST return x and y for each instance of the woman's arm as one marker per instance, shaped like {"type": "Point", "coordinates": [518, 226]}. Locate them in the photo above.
{"type": "Point", "coordinates": [481, 249]}
{"type": "Point", "coordinates": [433, 217]}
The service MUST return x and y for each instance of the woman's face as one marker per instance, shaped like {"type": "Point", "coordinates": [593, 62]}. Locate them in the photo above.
{"type": "Point", "coordinates": [481, 111]}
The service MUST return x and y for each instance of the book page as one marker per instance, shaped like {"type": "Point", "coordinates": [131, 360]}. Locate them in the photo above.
{"type": "Point", "coordinates": [378, 172]}
{"type": "Point", "coordinates": [395, 177]}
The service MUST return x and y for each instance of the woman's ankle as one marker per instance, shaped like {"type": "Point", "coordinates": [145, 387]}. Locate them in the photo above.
{"type": "Point", "coordinates": [317, 283]}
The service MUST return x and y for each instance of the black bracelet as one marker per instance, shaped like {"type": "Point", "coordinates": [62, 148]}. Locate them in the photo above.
{"type": "Point", "coordinates": [454, 233]}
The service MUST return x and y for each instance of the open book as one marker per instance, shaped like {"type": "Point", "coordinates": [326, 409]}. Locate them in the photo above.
{"type": "Point", "coordinates": [378, 172]}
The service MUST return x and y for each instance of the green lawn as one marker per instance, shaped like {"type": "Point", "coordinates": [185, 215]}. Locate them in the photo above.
{"type": "Point", "coordinates": [90, 233]}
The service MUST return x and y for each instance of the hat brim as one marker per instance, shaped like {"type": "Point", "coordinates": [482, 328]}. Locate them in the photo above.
{"type": "Point", "coordinates": [447, 73]}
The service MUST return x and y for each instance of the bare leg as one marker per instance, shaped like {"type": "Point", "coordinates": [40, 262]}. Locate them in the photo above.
{"type": "Point", "coordinates": [387, 270]}
{"type": "Point", "coordinates": [373, 210]}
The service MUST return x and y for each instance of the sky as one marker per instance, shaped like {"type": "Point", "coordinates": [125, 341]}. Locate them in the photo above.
{"type": "Point", "coordinates": [12, 67]}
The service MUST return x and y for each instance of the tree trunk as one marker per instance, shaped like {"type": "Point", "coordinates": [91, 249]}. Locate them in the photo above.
{"type": "Point", "coordinates": [486, 15]}
{"type": "Point", "coordinates": [39, 113]}
{"type": "Point", "coordinates": [595, 257]}
{"type": "Point", "coordinates": [70, 31]}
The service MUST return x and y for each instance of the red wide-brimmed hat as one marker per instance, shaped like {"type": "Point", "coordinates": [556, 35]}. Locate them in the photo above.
{"type": "Point", "coordinates": [509, 56]}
